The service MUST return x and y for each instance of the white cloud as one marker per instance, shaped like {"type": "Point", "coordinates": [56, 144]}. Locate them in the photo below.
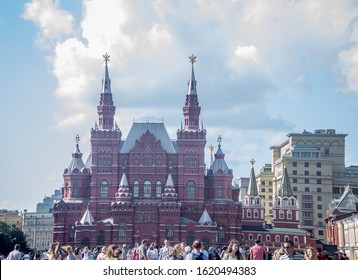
{"type": "Point", "coordinates": [348, 66]}
{"type": "Point", "coordinates": [158, 36]}
{"type": "Point", "coordinates": [52, 21]}
{"type": "Point", "coordinates": [247, 53]}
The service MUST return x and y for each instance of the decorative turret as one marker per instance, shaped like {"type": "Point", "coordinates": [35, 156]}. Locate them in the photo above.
{"type": "Point", "coordinates": [76, 165]}
{"type": "Point", "coordinates": [106, 109]}
{"type": "Point", "coordinates": [219, 163]}
{"type": "Point", "coordinates": [76, 177]}
{"type": "Point", "coordinates": [123, 193]}
{"type": "Point", "coordinates": [219, 176]}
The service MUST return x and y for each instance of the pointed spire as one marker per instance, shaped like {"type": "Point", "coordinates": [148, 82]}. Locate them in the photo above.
{"type": "Point", "coordinates": [169, 192]}
{"type": "Point", "coordinates": [123, 193]}
{"type": "Point", "coordinates": [106, 82]}
{"type": "Point", "coordinates": [106, 108]}
{"type": "Point", "coordinates": [87, 217]}
{"type": "Point", "coordinates": [192, 81]}
{"type": "Point", "coordinates": [205, 218]}
{"type": "Point", "coordinates": [252, 190]}
{"type": "Point", "coordinates": [285, 189]}
{"type": "Point", "coordinates": [124, 181]}
{"type": "Point", "coordinates": [169, 182]}
{"type": "Point", "coordinates": [191, 108]}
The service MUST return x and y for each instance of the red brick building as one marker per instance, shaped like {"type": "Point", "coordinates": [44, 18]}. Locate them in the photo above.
{"type": "Point", "coordinates": [150, 186]}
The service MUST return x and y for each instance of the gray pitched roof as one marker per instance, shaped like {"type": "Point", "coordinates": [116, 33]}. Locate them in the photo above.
{"type": "Point", "coordinates": [347, 201]}
{"type": "Point", "coordinates": [157, 129]}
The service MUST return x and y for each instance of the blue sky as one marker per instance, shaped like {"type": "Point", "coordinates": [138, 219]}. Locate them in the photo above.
{"type": "Point", "coordinates": [264, 69]}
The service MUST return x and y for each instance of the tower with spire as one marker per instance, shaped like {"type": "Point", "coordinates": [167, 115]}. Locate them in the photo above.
{"type": "Point", "coordinates": [191, 141]}
{"type": "Point", "coordinates": [285, 207]}
{"type": "Point", "coordinates": [104, 159]}
{"type": "Point", "coordinates": [253, 211]}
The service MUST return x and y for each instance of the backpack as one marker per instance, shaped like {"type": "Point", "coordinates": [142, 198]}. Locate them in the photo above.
{"type": "Point", "coordinates": [198, 257]}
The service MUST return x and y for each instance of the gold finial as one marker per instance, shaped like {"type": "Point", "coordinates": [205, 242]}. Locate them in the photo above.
{"type": "Point", "coordinates": [219, 139]}
{"type": "Point", "coordinates": [252, 162]}
{"type": "Point", "coordinates": [192, 59]}
{"type": "Point", "coordinates": [211, 148]}
{"type": "Point", "coordinates": [106, 57]}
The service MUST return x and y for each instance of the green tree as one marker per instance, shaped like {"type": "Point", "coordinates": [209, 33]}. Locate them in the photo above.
{"type": "Point", "coordinates": [9, 236]}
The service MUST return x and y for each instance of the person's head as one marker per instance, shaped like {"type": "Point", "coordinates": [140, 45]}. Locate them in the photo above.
{"type": "Point", "coordinates": [17, 247]}
{"type": "Point", "coordinates": [310, 253]}
{"type": "Point", "coordinates": [288, 247]}
{"type": "Point", "coordinates": [278, 253]}
{"type": "Point", "coordinates": [258, 241]}
{"type": "Point", "coordinates": [196, 245]}
{"type": "Point", "coordinates": [144, 242]}
{"type": "Point", "coordinates": [166, 242]}
{"type": "Point", "coordinates": [233, 246]}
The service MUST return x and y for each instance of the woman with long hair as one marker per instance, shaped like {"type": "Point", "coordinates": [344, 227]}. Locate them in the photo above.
{"type": "Point", "coordinates": [233, 251]}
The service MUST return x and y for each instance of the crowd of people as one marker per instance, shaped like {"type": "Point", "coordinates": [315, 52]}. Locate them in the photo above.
{"type": "Point", "coordinates": [180, 251]}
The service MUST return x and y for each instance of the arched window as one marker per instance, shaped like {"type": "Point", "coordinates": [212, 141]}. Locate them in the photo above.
{"type": "Point", "coordinates": [190, 189]}
{"type": "Point", "coordinates": [281, 214]}
{"type": "Point", "coordinates": [295, 239]}
{"type": "Point", "coordinates": [277, 238]}
{"type": "Point", "coordinates": [122, 231]}
{"type": "Point", "coordinates": [104, 188]}
{"type": "Point", "coordinates": [259, 237]}
{"type": "Point", "coordinates": [248, 213]}
{"type": "Point", "coordinates": [158, 189]}
{"type": "Point", "coordinates": [100, 238]}
{"type": "Point", "coordinates": [136, 188]}
{"type": "Point", "coordinates": [147, 189]}
{"type": "Point", "coordinates": [286, 238]}
{"type": "Point", "coordinates": [268, 238]}
{"type": "Point", "coordinates": [221, 234]}
{"type": "Point", "coordinates": [169, 231]}
{"type": "Point", "coordinates": [159, 161]}
{"type": "Point", "coordinates": [251, 237]}
{"type": "Point", "coordinates": [190, 238]}
{"type": "Point", "coordinates": [289, 215]}
{"type": "Point", "coordinates": [220, 191]}
{"type": "Point", "coordinates": [256, 213]}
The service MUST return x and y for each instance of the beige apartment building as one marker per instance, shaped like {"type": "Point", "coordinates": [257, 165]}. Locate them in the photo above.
{"type": "Point", "coordinates": [11, 217]}
{"type": "Point", "coordinates": [315, 163]}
